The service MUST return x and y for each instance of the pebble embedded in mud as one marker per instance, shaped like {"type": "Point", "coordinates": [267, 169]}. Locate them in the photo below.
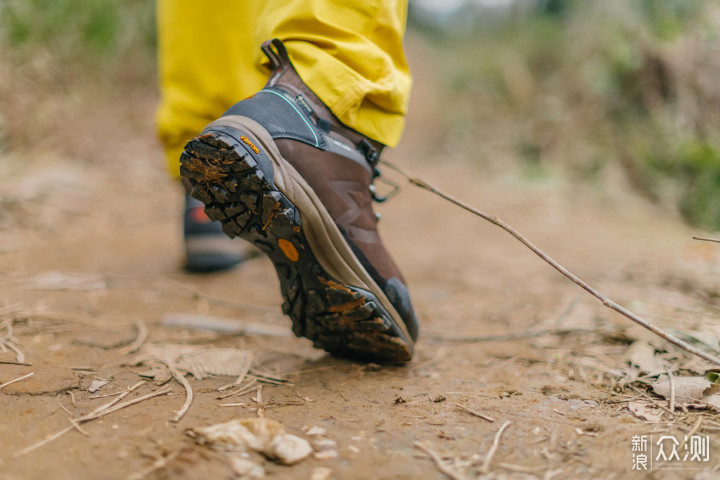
{"type": "Point", "coordinates": [321, 473]}
{"type": "Point", "coordinates": [325, 454]}
{"type": "Point", "coordinates": [246, 469]}
{"type": "Point", "coordinates": [323, 444]}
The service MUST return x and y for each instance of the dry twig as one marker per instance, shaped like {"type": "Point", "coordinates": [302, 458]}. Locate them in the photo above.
{"type": "Point", "coordinates": [485, 468]}
{"type": "Point", "coordinates": [188, 391]}
{"type": "Point", "coordinates": [259, 400]}
{"type": "Point", "coordinates": [695, 427]}
{"type": "Point", "coordinates": [241, 391]}
{"type": "Point", "coordinates": [17, 379]}
{"type": "Point", "coordinates": [139, 340]}
{"type": "Point", "coordinates": [74, 422]}
{"type": "Point", "coordinates": [157, 465]}
{"type": "Point", "coordinates": [8, 362]}
{"type": "Point", "coordinates": [509, 336]}
{"type": "Point", "coordinates": [477, 414]}
{"type": "Point", "coordinates": [440, 463]}
{"type": "Point", "coordinates": [95, 414]}
{"type": "Point", "coordinates": [671, 405]}
{"type": "Point", "coordinates": [519, 468]}
{"type": "Point", "coordinates": [706, 239]}
{"type": "Point", "coordinates": [574, 278]}
{"type": "Point", "coordinates": [120, 397]}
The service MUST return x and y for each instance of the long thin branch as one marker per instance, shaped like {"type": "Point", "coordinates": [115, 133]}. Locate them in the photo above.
{"type": "Point", "coordinates": [443, 466]}
{"type": "Point", "coordinates": [477, 414]}
{"type": "Point", "coordinates": [485, 468]}
{"type": "Point", "coordinates": [124, 394]}
{"type": "Point", "coordinates": [17, 379]}
{"type": "Point", "coordinates": [95, 414]}
{"type": "Point", "coordinates": [706, 239]}
{"type": "Point", "coordinates": [574, 278]}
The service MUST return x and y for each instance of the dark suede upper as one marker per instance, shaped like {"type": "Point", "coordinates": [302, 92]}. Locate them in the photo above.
{"type": "Point", "coordinates": [336, 161]}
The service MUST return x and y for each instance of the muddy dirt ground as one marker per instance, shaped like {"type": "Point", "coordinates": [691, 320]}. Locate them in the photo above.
{"type": "Point", "coordinates": [90, 254]}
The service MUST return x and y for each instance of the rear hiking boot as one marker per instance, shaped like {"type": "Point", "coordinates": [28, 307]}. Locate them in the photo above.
{"type": "Point", "coordinates": [207, 248]}
{"type": "Point", "coordinates": [279, 170]}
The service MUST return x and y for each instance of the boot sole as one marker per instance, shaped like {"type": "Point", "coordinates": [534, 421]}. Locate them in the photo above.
{"type": "Point", "coordinates": [239, 175]}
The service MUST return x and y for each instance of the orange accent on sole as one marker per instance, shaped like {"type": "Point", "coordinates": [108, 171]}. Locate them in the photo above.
{"type": "Point", "coordinates": [199, 216]}
{"type": "Point", "coordinates": [289, 250]}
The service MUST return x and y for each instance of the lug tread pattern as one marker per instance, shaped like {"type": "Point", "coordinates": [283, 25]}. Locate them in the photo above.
{"type": "Point", "coordinates": [340, 319]}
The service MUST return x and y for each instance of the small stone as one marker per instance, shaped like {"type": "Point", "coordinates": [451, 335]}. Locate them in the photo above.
{"type": "Point", "coordinates": [321, 473]}
{"type": "Point", "coordinates": [325, 454]}
{"type": "Point", "coordinates": [97, 384]}
{"type": "Point", "coordinates": [315, 431]}
{"type": "Point", "coordinates": [262, 435]}
{"type": "Point", "coordinates": [246, 469]}
{"type": "Point", "coordinates": [325, 444]}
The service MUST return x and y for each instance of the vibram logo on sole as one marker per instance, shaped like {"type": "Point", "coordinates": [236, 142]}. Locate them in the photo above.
{"type": "Point", "coordinates": [250, 144]}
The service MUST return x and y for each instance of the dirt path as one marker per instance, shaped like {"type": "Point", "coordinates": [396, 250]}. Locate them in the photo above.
{"type": "Point", "coordinates": [111, 228]}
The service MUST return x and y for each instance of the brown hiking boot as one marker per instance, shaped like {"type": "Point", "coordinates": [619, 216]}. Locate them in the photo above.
{"type": "Point", "coordinates": [279, 170]}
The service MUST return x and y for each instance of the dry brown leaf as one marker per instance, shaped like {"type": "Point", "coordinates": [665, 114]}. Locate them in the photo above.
{"type": "Point", "coordinates": [229, 362]}
{"type": "Point", "coordinates": [261, 435]}
{"type": "Point", "coordinates": [645, 411]}
{"type": "Point", "coordinates": [687, 389]}
{"type": "Point", "coordinates": [643, 355]}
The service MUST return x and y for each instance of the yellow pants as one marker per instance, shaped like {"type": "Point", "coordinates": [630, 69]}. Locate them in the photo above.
{"type": "Point", "coordinates": [349, 53]}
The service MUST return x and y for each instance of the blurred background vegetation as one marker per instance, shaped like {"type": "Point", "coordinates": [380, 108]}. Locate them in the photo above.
{"type": "Point", "coordinates": [591, 91]}
{"type": "Point", "coordinates": [590, 88]}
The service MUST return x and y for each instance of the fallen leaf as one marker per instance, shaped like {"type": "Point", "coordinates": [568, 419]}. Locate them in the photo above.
{"type": "Point", "coordinates": [97, 384]}
{"type": "Point", "coordinates": [230, 362]}
{"type": "Point", "coordinates": [203, 362]}
{"type": "Point", "coordinates": [159, 374]}
{"type": "Point", "coordinates": [687, 389]}
{"type": "Point", "coordinates": [643, 355]}
{"type": "Point", "coordinates": [261, 435]}
{"type": "Point", "coordinates": [644, 411]}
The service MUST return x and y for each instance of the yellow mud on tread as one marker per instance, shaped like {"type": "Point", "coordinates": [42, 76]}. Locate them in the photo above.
{"type": "Point", "coordinates": [289, 250]}
{"type": "Point", "coordinates": [347, 307]}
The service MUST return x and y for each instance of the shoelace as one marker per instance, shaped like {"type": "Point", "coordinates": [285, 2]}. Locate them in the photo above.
{"type": "Point", "coordinates": [373, 189]}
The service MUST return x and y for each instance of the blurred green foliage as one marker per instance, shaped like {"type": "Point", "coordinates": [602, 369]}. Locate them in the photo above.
{"type": "Point", "coordinates": [592, 86]}
{"type": "Point", "coordinates": [586, 86]}
{"type": "Point", "coordinates": [86, 33]}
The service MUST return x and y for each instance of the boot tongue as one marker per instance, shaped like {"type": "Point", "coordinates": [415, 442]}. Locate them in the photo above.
{"type": "Point", "coordinates": [285, 77]}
